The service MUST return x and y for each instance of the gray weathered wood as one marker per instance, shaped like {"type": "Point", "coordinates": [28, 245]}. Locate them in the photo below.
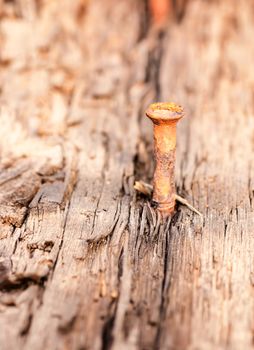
{"type": "Point", "coordinates": [85, 262]}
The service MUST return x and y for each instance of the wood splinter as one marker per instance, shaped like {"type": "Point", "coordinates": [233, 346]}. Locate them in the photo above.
{"type": "Point", "coordinates": [147, 190]}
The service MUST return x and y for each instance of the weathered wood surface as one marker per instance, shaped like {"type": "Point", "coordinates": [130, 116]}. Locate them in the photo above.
{"type": "Point", "coordinates": [84, 261]}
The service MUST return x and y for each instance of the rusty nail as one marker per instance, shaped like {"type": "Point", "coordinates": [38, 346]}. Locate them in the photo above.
{"type": "Point", "coordinates": [164, 117]}
{"type": "Point", "coordinates": [160, 10]}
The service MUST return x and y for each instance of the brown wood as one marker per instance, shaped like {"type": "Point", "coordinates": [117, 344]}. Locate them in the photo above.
{"type": "Point", "coordinates": [85, 262]}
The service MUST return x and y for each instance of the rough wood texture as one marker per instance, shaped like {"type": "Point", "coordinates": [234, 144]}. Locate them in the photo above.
{"type": "Point", "coordinates": [85, 262]}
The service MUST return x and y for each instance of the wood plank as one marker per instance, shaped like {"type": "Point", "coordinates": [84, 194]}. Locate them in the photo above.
{"type": "Point", "coordinates": [85, 262]}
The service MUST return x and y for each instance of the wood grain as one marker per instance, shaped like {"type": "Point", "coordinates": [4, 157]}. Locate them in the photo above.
{"type": "Point", "coordinates": [85, 262]}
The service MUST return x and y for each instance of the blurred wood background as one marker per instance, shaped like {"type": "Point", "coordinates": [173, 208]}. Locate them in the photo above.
{"type": "Point", "coordinates": [85, 262]}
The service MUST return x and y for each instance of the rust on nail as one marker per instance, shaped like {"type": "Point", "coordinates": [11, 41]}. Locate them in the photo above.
{"type": "Point", "coordinates": [164, 117]}
{"type": "Point", "coordinates": [160, 10]}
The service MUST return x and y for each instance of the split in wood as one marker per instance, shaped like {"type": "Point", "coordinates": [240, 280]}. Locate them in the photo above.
{"type": "Point", "coordinates": [147, 190]}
